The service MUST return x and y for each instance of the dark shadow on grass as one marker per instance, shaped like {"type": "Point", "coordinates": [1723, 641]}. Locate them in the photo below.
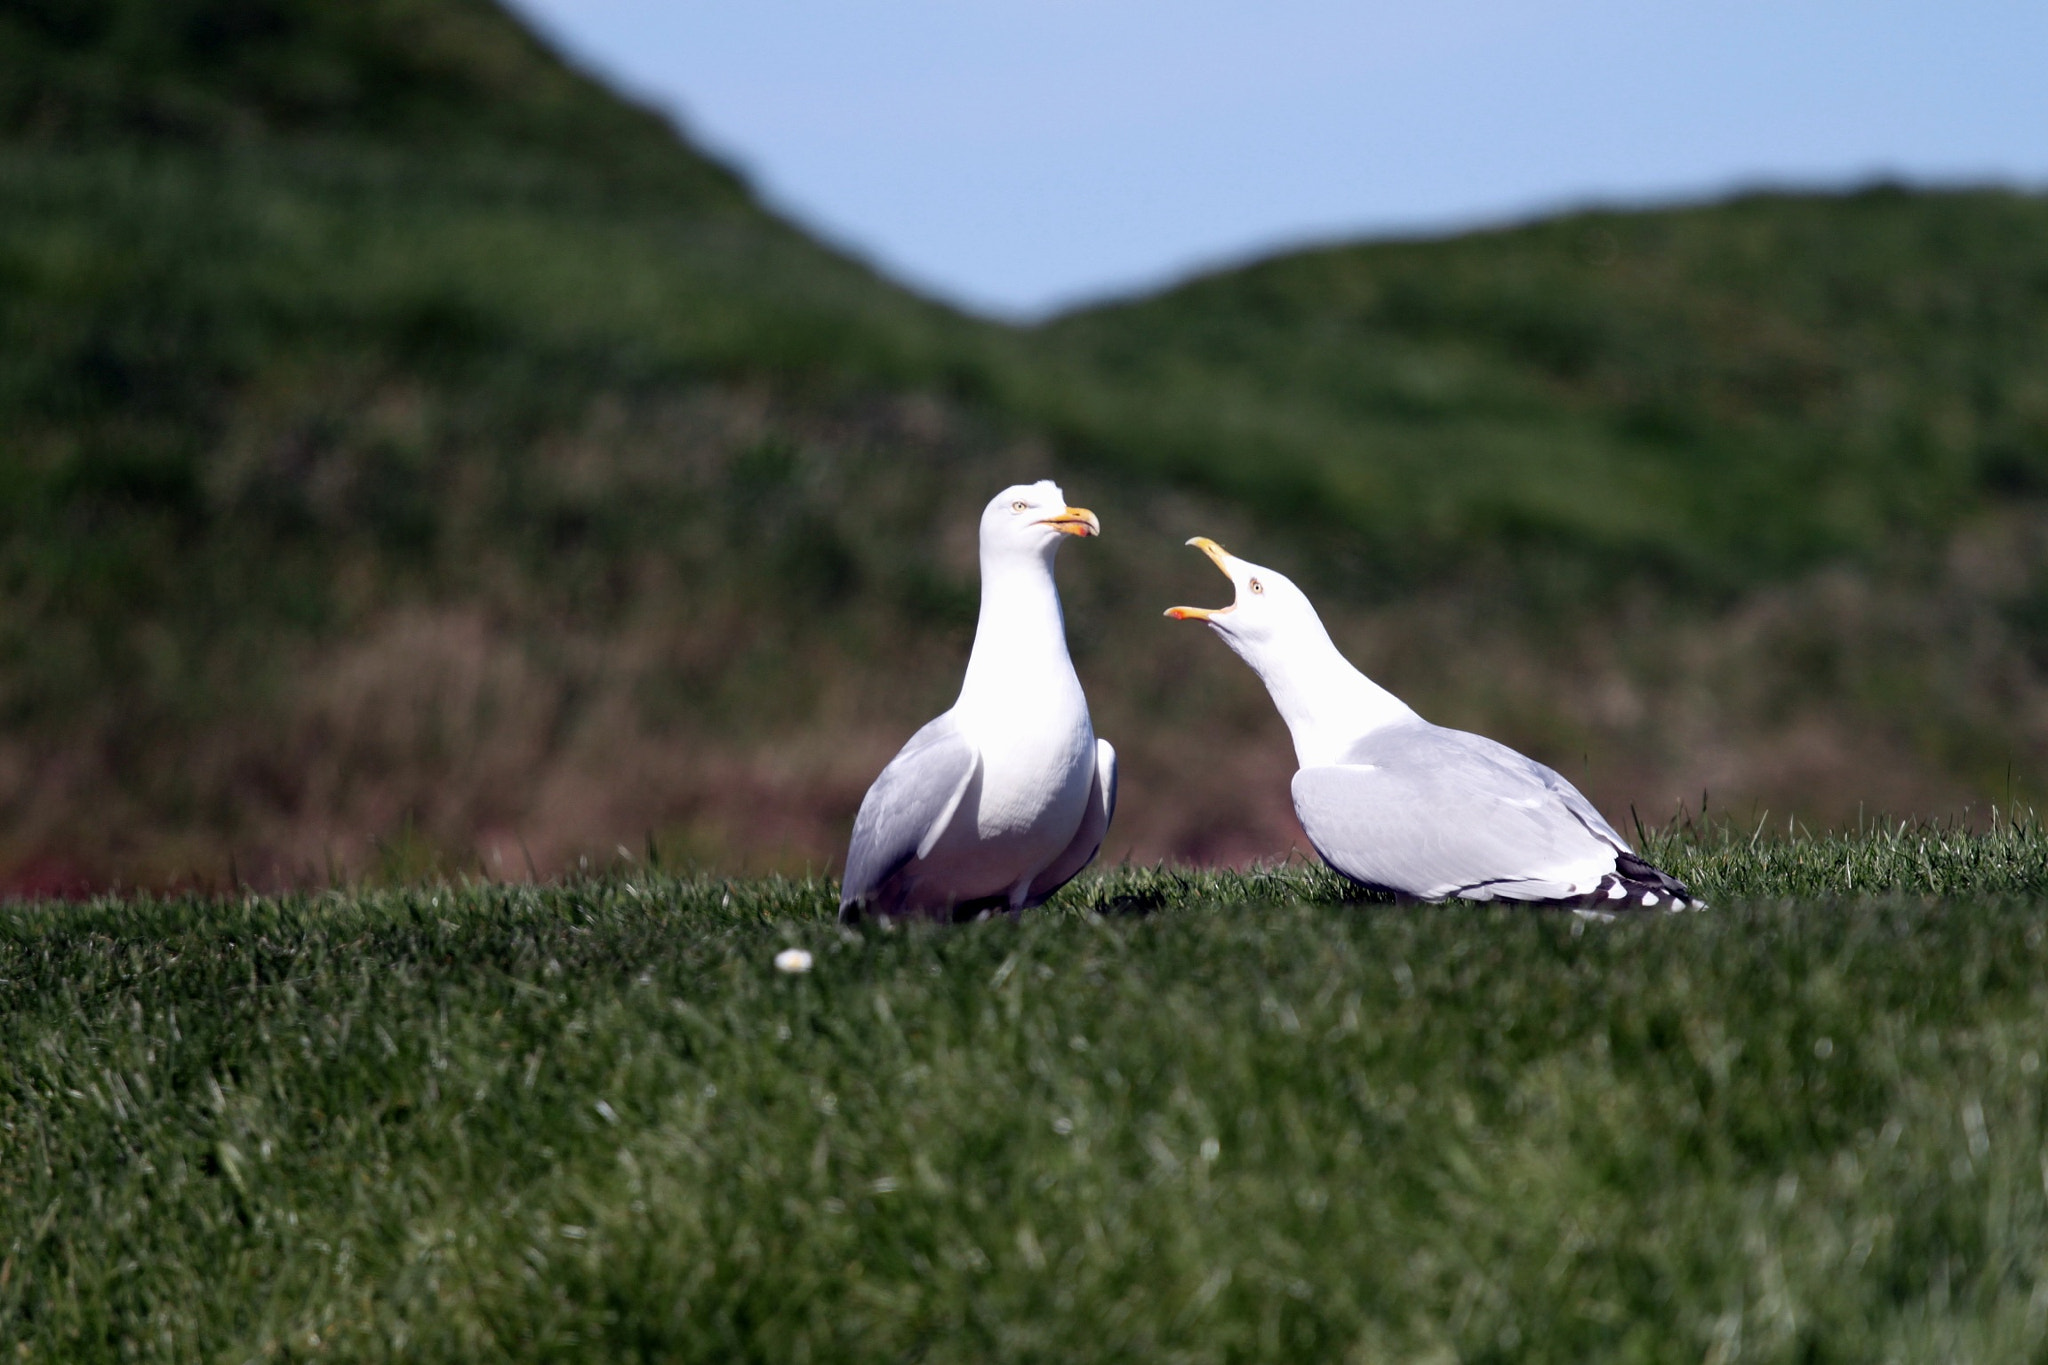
{"type": "Point", "coordinates": [1138, 904]}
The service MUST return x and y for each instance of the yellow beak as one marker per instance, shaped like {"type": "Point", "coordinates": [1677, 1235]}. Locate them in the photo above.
{"type": "Point", "coordinates": [1217, 555]}
{"type": "Point", "coordinates": [1075, 521]}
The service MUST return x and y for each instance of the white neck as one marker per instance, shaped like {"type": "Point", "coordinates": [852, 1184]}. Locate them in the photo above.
{"type": "Point", "coordinates": [1328, 705]}
{"type": "Point", "coordinates": [1020, 641]}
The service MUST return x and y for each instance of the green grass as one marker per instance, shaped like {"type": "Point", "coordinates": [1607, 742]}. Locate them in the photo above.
{"type": "Point", "coordinates": [1172, 1116]}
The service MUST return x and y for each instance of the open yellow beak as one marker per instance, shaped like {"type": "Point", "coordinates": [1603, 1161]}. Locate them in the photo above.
{"type": "Point", "coordinates": [1075, 521]}
{"type": "Point", "coordinates": [1217, 554]}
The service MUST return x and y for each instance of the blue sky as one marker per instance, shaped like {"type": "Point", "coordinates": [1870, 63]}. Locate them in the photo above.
{"type": "Point", "coordinates": [1017, 156]}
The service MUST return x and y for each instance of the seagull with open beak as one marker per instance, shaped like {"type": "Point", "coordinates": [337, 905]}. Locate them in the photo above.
{"type": "Point", "coordinates": [997, 803]}
{"type": "Point", "coordinates": [1402, 805]}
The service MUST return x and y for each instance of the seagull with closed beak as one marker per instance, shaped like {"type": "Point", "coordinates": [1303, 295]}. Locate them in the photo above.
{"type": "Point", "coordinates": [999, 802]}
{"type": "Point", "coordinates": [1404, 806]}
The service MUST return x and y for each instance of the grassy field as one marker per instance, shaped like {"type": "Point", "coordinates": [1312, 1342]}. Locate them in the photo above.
{"type": "Point", "coordinates": [1173, 1116]}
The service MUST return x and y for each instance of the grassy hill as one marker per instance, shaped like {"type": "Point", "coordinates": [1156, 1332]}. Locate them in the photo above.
{"type": "Point", "coordinates": [369, 344]}
{"type": "Point", "coordinates": [410, 452]}
{"type": "Point", "coordinates": [1721, 396]}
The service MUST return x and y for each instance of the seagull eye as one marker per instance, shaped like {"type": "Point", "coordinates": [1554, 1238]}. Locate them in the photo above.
{"type": "Point", "coordinates": [1257, 586]}
{"type": "Point", "coordinates": [1019, 505]}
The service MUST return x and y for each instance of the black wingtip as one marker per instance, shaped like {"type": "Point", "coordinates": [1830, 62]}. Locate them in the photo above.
{"type": "Point", "coordinates": [1636, 887]}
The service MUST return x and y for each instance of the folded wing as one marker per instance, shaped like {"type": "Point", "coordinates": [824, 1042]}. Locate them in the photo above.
{"type": "Point", "coordinates": [1432, 813]}
{"type": "Point", "coordinates": [903, 815]}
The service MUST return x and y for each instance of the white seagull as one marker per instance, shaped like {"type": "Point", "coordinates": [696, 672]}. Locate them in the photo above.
{"type": "Point", "coordinates": [1000, 801]}
{"type": "Point", "coordinates": [1401, 805]}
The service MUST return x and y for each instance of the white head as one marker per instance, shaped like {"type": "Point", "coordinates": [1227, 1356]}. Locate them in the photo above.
{"type": "Point", "coordinates": [1327, 703]}
{"type": "Point", "coordinates": [1032, 518]}
{"type": "Point", "coordinates": [1021, 634]}
{"type": "Point", "coordinates": [1270, 612]}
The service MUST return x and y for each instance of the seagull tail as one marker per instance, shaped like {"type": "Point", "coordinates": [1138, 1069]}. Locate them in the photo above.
{"type": "Point", "coordinates": [1635, 887]}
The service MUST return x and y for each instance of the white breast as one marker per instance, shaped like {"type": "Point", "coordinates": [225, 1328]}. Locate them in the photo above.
{"type": "Point", "coordinates": [1037, 763]}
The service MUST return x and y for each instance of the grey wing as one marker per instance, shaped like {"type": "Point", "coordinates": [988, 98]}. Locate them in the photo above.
{"type": "Point", "coordinates": [1432, 813]}
{"type": "Point", "coordinates": [1087, 840]}
{"type": "Point", "coordinates": [907, 807]}
{"type": "Point", "coordinates": [1574, 800]}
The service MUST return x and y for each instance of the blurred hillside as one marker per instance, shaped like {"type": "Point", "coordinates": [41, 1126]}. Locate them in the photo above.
{"type": "Point", "coordinates": [1719, 396]}
{"type": "Point", "coordinates": [411, 453]}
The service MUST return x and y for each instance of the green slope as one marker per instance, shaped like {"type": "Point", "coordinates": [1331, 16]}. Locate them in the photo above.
{"type": "Point", "coordinates": [404, 439]}
{"type": "Point", "coordinates": [1728, 393]}
{"type": "Point", "coordinates": [428, 74]}
{"type": "Point", "coordinates": [302, 309]}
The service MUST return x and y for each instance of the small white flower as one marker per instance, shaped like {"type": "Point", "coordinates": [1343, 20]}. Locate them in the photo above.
{"type": "Point", "coordinates": [792, 960]}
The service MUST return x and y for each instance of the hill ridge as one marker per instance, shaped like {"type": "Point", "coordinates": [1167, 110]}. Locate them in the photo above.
{"type": "Point", "coordinates": [466, 480]}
